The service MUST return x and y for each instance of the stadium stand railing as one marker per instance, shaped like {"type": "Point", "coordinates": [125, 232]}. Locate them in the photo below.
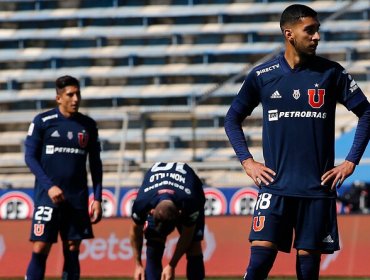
{"type": "Point", "coordinates": [177, 64]}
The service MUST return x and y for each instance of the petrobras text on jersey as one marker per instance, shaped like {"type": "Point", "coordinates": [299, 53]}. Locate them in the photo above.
{"type": "Point", "coordinates": [267, 69]}
{"type": "Point", "coordinates": [275, 115]}
{"type": "Point", "coordinates": [51, 149]}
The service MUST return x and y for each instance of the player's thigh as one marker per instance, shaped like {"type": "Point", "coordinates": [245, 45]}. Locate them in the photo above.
{"type": "Point", "coordinates": [75, 224]}
{"type": "Point", "coordinates": [71, 245]}
{"type": "Point", "coordinates": [317, 227]}
{"type": "Point", "coordinates": [45, 224]}
{"type": "Point", "coordinates": [151, 232]}
{"type": "Point", "coordinates": [272, 221]}
{"type": "Point", "coordinates": [199, 227]}
{"type": "Point", "coordinates": [195, 249]}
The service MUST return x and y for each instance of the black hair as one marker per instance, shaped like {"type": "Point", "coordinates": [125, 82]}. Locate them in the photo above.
{"type": "Point", "coordinates": [65, 81]}
{"type": "Point", "coordinates": [294, 13]}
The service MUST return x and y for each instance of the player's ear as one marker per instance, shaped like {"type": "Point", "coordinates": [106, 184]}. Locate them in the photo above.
{"type": "Point", "coordinates": [288, 34]}
{"type": "Point", "coordinates": [151, 212]}
{"type": "Point", "coordinates": [58, 98]}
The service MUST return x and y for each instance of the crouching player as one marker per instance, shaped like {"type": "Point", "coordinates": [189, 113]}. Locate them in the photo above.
{"type": "Point", "coordinates": [171, 196]}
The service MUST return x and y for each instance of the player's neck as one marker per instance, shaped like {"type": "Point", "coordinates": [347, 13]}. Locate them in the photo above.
{"type": "Point", "coordinates": [65, 113]}
{"type": "Point", "coordinates": [294, 60]}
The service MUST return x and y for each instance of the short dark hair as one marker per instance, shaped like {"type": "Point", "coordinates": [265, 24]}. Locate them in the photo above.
{"type": "Point", "coordinates": [294, 13]}
{"type": "Point", "coordinates": [65, 81]}
{"type": "Point", "coordinates": [165, 217]}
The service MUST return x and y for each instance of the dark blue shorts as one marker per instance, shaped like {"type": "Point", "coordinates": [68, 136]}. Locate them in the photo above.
{"type": "Point", "coordinates": [312, 222]}
{"type": "Point", "coordinates": [72, 224]}
{"type": "Point", "coordinates": [152, 233]}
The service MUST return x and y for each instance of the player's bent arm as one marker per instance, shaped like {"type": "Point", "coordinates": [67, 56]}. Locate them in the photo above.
{"type": "Point", "coordinates": [339, 173]}
{"type": "Point", "coordinates": [136, 240]}
{"type": "Point", "coordinates": [362, 134]}
{"type": "Point", "coordinates": [234, 131]}
{"type": "Point", "coordinates": [96, 168]}
{"type": "Point", "coordinates": [182, 245]}
{"type": "Point", "coordinates": [32, 160]}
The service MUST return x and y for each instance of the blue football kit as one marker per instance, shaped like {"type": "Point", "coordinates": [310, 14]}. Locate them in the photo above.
{"type": "Point", "coordinates": [177, 182]}
{"type": "Point", "coordinates": [57, 149]}
{"type": "Point", "coordinates": [298, 107]}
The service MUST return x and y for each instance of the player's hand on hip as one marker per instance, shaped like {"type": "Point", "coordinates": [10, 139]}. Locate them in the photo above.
{"type": "Point", "coordinates": [258, 172]}
{"type": "Point", "coordinates": [56, 194]}
{"type": "Point", "coordinates": [338, 174]}
{"type": "Point", "coordinates": [168, 273]}
{"type": "Point", "coordinates": [96, 212]}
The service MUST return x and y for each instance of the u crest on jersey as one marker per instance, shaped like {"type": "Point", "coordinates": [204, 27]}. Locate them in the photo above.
{"type": "Point", "coordinates": [83, 139]}
{"type": "Point", "coordinates": [38, 229]}
{"type": "Point", "coordinates": [316, 97]}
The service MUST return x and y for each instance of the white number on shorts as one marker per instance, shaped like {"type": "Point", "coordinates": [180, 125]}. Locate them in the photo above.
{"type": "Point", "coordinates": [168, 166]}
{"type": "Point", "coordinates": [263, 201]}
{"type": "Point", "coordinates": [43, 213]}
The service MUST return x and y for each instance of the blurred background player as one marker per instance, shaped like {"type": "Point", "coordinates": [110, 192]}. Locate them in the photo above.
{"type": "Point", "coordinates": [170, 196]}
{"type": "Point", "coordinates": [298, 91]}
{"type": "Point", "coordinates": [57, 146]}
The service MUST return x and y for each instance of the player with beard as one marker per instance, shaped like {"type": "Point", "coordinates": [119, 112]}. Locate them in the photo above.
{"type": "Point", "coordinates": [298, 92]}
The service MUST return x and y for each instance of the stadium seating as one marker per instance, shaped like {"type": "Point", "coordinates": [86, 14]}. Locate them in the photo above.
{"type": "Point", "coordinates": [166, 70]}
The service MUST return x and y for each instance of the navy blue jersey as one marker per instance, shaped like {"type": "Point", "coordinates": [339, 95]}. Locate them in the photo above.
{"type": "Point", "coordinates": [175, 181]}
{"type": "Point", "coordinates": [56, 152]}
{"type": "Point", "coordinates": [298, 120]}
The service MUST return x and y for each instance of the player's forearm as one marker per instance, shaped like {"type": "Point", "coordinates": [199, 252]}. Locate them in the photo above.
{"type": "Point", "coordinates": [235, 134]}
{"type": "Point", "coordinates": [96, 168]}
{"type": "Point", "coordinates": [362, 135]}
{"type": "Point", "coordinates": [34, 165]}
{"type": "Point", "coordinates": [136, 240]}
{"type": "Point", "coordinates": [182, 245]}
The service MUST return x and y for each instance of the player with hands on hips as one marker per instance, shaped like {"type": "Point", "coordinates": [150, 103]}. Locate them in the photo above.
{"type": "Point", "coordinates": [171, 196]}
{"type": "Point", "coordinates": [58, 144]}
{"type": "Point", "coordinates": [297, 182]}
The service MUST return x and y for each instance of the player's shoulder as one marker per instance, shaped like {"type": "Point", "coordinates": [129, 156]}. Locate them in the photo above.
{"type": "Point", "coordinates": [325, 63]}
{"type": "Point", "coordinates": [268, 66]}
{"type": "Point", "coordinates": [46, 116]}
{"type": "Point", "coordinates": [86, 119]}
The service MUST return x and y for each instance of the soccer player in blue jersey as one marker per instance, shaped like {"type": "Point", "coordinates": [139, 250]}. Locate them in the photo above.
{"type": "Point", "coordinates": [171, 196]}
{"type": "Point", "coordinates": [58, 144]}
{"type": "Point", "coordinates": [298, 92]}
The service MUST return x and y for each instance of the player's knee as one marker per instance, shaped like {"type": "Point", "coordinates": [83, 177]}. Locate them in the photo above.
{"type": "Point", "coordinates": [72, 245]}
{"type": "Point", "coordinates": [308, 266]}
{"type": "Point", "coordinates": [260, 264]}
{"type": "Point", "coordinates": [195, 249]}
{"type": "Point", "coordinates": [41, 247]}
